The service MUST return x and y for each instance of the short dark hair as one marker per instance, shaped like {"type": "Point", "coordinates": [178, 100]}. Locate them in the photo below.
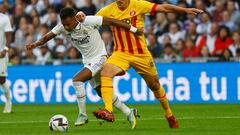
{"type": "Point", "coordinates": [67, 12]}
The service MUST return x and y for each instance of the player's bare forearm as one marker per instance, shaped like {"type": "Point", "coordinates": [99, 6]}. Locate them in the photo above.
{"type": "Point", "coordinates": [168, 8]}
{"type": "Point", "coordinates": [41, 41]}
{"type": "Point", "coordinates": [114, 22]}
{"type": "Point", "coordinates": [45, 39]}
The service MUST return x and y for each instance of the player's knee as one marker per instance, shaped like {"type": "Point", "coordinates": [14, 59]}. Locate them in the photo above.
{"type": "Point", "coordinates": [75, 79]}
{"type": "Point", "coordinates": [106, 71]}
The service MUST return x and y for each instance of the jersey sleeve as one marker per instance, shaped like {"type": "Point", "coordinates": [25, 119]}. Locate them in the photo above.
{"type": "Point", "coordinates": [93, 20]}
{"type": "Point", "coordinates": [58, 29]}
{"type": "Point", "coordinates": [147, 7]}
{"type": "Point", "coordinates": [7, 25]}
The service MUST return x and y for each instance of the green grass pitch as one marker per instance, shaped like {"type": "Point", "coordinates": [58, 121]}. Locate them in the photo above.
{"type": "Point", "coordinates": [194, 119]}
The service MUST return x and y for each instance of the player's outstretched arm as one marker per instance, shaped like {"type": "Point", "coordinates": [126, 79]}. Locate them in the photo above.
{"type": "Point", "coordinates": [99, 20]}
{"type": "Point", "coordinates": [176, 9]}
{"type": "Point", "coordinates": [41, 41]}
{"type": "Point", "coordinates": [114, 22]}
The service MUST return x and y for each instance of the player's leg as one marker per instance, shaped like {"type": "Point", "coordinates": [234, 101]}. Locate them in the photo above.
{"type": "Point", "coordinates": [78, 84]}
{"type": "Point", "coordinates": [146, 68]}
{"type": "Point", "coordinates": [96, 84]}
{"type": "Point", "coordinates": [160, 94]}
{"type": "Point", "coordinates": [114, 65]}
{"type": "Point", "coordinates": [6, 91]}
{"type": "Point", "coordinates": [131, 114]}
{"type": "Point", "coordinates": [5, 85]}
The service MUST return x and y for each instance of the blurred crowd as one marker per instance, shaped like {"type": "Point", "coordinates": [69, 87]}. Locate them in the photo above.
{"type": "Point", "coordinates": [211, 36]}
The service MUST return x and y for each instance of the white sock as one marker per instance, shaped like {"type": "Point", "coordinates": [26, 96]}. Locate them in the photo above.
{"type": "Point", "coordinates": [120, 105]}
{"type": "Point", "coordinates": [81, 97]}
{"type": "Point", "coordinates": [6, 91]}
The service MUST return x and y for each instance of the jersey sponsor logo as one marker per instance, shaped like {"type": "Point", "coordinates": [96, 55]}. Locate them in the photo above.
{"type": "Point", "coordinates": [81, 40]}
{"type": "Point", "coordinates": [133, 13]}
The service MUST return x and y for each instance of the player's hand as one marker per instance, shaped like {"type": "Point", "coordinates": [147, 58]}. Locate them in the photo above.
{"type": "Point", "coordinates": [30, 46]}
{"type": "Point", "coordinates": [193, 11]}
{"type": "Point", "coordinates": [80, 16]}
{"type": "Point", "coordinates": [3, 53]}
{"type": "Point", "coordinates": [139, 31]}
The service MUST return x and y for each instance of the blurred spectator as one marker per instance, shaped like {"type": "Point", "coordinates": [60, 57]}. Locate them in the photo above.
{"type": "Point", "coordinates": [34, 4]}
{"type": "Point", "coordinates": [223, 41]}
{"type": "Point", "coordinates": [173, 33]}
{"type": "Point", "coordinates": [172, 18]}
{"type": "Point", "coordinates": [236, 42]}
{"type": "Point", "coordinates": [190, 19]}
{"type": "Point", "coordinates": [169, 55]}
{"type": "Point", "coordinates": [217, 13]}
{"type": "Point", "coordinates": [226, 21]}
{"type": "Point", "coordinates": [234, 13]}
{"type": "Point", "coordinates": [28, 57]}
{"type": "Point", "coordinates": [14, 60]}
{"type": "Point", "coordinates": [59, 54]}
{"type": "Point", "coordinates": [204, 53]}
{"type": "Point", "coordinates": [149, 30]}
{"type": "Point", "coordinates": [205, 23]}
{"type": "Point", "coordinates": [208, 39]}
{"type": "Point", "coordinates": [43, 56]}
{"type": "Point", "coordinates": [89, 8]}
{"type": "Point", "coordinates": [160, 25]}
{"type": "Point", "coordinates": [180, 45]}
{"type": "Point", "coordinates": [73, 54]}
{"type": "Point", "coordinates": [59, 48]}
{"type": "Point", "coordinates": [191, 32]}
{"type": "Point", "coordinates": [21, 33]}
{"type": "Point", "coordinates": [190, 51]}
{"type": "Point", "coordinates": [226, 55]}
{"type": "Point", "coordinates": [153, 46]}
{"type": "Point", "coordinates": [166, 40]}
{"type": "Point", "coordinates": [18, 13]}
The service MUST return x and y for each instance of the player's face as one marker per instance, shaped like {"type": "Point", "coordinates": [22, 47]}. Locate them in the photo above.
{"type": "Point", "coordinates": [69, 23]}
{"type": "Point", "coordinates": [122, 4]}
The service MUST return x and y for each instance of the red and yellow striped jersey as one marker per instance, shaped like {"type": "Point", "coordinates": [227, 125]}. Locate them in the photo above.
{"type": "Point", "coordinates": [125, 41]}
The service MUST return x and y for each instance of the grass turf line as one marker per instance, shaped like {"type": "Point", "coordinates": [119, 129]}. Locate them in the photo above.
{"type": "Point", "coordinates": [194, 119]}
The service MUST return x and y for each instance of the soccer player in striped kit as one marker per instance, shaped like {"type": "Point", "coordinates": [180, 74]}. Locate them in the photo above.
{"type": "Point", "coordinates": [131, 51]}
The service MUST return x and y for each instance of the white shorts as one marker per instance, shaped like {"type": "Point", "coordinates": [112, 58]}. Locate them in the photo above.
{"type": "Point", "coordinates": [3, 66]}
{"type": "Point", "coordinates": [95, 65]}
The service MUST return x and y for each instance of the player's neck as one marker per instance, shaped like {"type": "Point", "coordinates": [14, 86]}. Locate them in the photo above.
{"type": "Point", "coordinates": [125, 7]}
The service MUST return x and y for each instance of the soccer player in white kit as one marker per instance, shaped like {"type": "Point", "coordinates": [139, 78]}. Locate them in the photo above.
{"type": "Point", "coordinates": [5, 40]}
{"type": "Point", "coordinates": [86, 38]}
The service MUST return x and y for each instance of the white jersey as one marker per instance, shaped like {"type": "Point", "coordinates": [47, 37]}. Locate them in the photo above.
{"type": "Point", "coordinates": [5, 26]}
{"type": "Point", "coordinates": [85, 37]}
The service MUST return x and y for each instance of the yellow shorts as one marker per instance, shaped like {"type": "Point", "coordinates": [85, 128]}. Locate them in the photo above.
{"type": "Point", "coordinates": [142, 64]}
